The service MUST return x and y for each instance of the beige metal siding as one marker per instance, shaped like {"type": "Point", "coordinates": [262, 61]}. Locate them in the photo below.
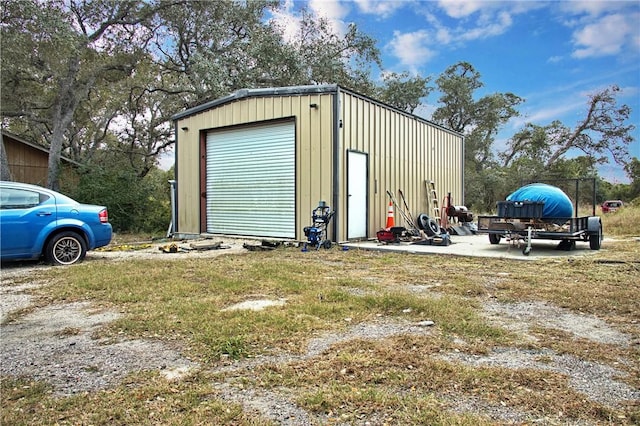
{"type": "Point", "coordinates": [403, 153]}
{"type": "Point", "coordinates": [314, 150]}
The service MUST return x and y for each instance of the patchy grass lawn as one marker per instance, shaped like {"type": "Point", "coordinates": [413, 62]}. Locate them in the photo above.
{"type": "Point", "coordinates": [394, 378]}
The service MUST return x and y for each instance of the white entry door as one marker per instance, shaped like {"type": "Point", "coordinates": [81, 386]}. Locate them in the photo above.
{"type": "Point", "coordinates": [357, 190]}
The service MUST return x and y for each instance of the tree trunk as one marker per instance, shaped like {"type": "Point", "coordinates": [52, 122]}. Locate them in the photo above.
{"type": "Point", "coordinates": [5, 172]}
{"type": "Point", "coordinates": [69, 95]}
{"type": "Point", "coordinates": [55, 150]}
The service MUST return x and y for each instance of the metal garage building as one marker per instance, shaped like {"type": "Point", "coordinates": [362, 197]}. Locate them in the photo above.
{"type": "Point", "coordinates": [257, 162]}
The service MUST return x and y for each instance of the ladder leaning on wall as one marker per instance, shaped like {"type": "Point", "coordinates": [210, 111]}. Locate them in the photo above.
{"type": "Point", "coordinates": [433, 201]}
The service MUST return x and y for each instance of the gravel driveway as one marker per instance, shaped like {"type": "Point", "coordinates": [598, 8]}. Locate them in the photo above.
{"type": "Point", "coordinates": [55, 344]}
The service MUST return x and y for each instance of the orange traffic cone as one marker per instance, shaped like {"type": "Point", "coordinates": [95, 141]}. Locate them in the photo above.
{"type": "Point", "coordinates": [390, 221]}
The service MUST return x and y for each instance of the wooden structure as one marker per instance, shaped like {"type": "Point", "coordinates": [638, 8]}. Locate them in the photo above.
{"type": "Point", "coordinates": [29, 162]}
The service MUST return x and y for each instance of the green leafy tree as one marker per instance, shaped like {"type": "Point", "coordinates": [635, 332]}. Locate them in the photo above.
{"type": "Point", "coordinates": [138, 205]}
{"type": "Point", "coordinates": [479, 120]}
{"type": "Point", "coordinates": [325, 57]}
{"type": "Point", "coordinates": [102, 72]}
{"type": "Point", "coordinates": [213, 48]}
{"type": "Point", "coordinates": [403, 91]}
{"type": "Point", "coordinates": [74, 46]}
{"type": "Point", "coordinates": [632, 168]}
{"type": "Point", "coordinates": [627, 192]}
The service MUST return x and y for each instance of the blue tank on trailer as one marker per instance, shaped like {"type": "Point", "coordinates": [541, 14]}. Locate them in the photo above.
{"type": "Point", "coordinates": [556, 202]}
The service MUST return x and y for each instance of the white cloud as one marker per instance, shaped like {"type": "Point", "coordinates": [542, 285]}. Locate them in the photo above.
{"type": "Point", "coordinates": [600, 28]}
{"type": "Point", "coordinates": [380, 8]}
{"type": "Point", "coordinates": [606, 36]}
{"type": "Point", "coordinates": [495, 26]}
{"type": "Point", "coordinates": [474, 20]}
{"type": "Point", "coordinates": [592, 8]}
{"type": "Point", "coordinates": [332, 10]}
{"type": "Point", "coordinates": [412, 48]}
{"type": "Point", "coordinates": [444, 36]}
{"type": "Point", "coordinates": [461, 8]}
{"type": "Point", "coordinates": [288, 19]}
{"type": "Point", "coordinates": [546, 115]}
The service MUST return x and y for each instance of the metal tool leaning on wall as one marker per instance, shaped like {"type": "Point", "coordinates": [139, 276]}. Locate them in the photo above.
{"type": "Point", "coordinates": [421, 230]}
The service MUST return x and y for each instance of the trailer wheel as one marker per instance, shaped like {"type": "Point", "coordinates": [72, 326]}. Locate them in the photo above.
{"type": "Point", "coordinates": [494, 238]}
{"type": "Point", "coordinates": [526, 251]}
{"type": "Point", "coordinates": [595, 239]}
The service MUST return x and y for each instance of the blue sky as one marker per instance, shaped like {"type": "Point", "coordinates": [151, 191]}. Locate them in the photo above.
{"type": "Point", "coordinates": [553, 54]}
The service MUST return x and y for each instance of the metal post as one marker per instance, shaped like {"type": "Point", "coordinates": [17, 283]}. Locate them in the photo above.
{"type": "Point", "coordinates": [575, 214]}
{"type": "Point", "coordinates": [172, 225]}
{"type": "Point", "coordinates": [593, 204]}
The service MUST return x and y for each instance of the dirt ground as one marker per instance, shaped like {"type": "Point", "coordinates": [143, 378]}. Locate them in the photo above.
{"type": "Point", "coordinates": [55, 344]}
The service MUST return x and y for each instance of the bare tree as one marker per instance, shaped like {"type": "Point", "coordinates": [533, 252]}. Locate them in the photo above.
{"type": "Point", "coordinates": [603, 130]}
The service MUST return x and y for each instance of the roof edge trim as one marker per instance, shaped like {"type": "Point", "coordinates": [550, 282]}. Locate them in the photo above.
{"type": "Point", "coordinates": [254, 93]}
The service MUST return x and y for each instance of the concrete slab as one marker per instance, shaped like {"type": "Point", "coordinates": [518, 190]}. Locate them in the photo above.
{"type": "Point", "coordinates": [479, 246]}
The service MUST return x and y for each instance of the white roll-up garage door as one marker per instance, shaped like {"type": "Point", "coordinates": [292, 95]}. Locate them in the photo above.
{"type": "Point", "coordinates": [251, 181]}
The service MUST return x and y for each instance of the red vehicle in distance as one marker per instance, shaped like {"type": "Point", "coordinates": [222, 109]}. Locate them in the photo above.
{"type": "Point", "coordinates": [611, 206]}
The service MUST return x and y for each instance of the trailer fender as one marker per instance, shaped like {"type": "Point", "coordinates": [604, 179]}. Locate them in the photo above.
{"type": "Point", "coordinates": [594, 225]}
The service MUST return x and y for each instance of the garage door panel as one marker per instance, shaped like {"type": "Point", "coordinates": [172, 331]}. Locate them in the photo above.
{"type": "Point", "coordinates": [251, 181]}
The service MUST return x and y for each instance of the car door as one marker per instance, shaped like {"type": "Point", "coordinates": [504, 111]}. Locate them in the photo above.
{"type": "Point", "coordinates": [24, 213]}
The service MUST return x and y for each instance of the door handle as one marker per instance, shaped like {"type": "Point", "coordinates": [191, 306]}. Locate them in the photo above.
{"type": "Point", "coordinates": [45, 213]}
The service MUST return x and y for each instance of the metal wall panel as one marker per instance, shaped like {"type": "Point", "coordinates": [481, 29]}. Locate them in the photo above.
{"type": "Point", "coordinates": [404, 152]}
{"type": "Point", "coordinates": [251, 181]}
{"type": "Point", "coordinates": [314, 151]}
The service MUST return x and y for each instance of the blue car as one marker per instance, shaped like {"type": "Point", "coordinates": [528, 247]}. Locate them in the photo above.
{"type": "Point", "coordinates": [37, 222]}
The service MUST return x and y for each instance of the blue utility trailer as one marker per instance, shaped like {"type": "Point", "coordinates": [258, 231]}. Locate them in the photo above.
{"type": "Point", "coordinates": [522, 221]}
{"type": "Point", "coordinates": [567, 230]}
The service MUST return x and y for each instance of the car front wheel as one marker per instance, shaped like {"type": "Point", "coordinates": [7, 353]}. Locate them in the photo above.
{"type": "Point", "coordinates": [66, 248]}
